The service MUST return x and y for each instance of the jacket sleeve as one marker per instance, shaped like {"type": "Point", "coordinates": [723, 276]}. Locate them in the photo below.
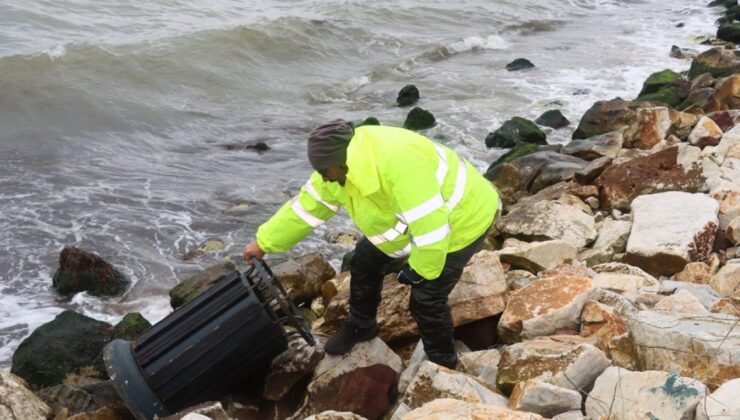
{"type": "Point", "coordinates": [314, 204]}
{"type": "Point", "coordinates": [418, 196]}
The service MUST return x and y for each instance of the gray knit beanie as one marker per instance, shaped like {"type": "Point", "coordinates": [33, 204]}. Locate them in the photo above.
{"type": "Point", "coordinates": [327, 144]}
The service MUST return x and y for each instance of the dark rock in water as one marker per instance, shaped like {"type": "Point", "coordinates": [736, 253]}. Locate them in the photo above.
{"type": "Point", "coordinates": [208, 247]}
{"type": "Point", "coordinates": [680, 25]}
{"type": "Point", "coordinates": [368, 121]}
{"type": "Point", "coordinates": [668, 95]}
{"type": "Point", "coordinates": [419, 119]}
{"type": "Point", "coordinates": [82, 271]}
{"type": "Point", "coordinates": [719, 62]}
{"type": "Point", "coordinates": [515, 131]}
{"type": "Point", "coordinates": [191, 287]}
{"type": "Point", "coordinates": [727, 4]}
{"type": "Point", "coordinates": [409, 95]}
{"type": "Point", "coordinates": [553, 119]}
{"type": "Point", "coordinates": [259, 147]}
{"type": "Point", "coordinates": [519, 64]}
{"type": "Point", "coordinates": [658, 80]}
{"type": "Point", "coordinates": [60, 347]}
{"type": "Point", "coordinates": [729, 32]}
{"type": "Point", "coordinates": [581, 92]}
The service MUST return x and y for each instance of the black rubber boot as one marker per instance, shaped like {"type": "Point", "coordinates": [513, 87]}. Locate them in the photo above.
{"type": "Point", "coordinates": [347, 336]}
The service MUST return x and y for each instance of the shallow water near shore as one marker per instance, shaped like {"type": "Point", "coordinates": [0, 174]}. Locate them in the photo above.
{"type": "Point", "coordinates": [124, 125]}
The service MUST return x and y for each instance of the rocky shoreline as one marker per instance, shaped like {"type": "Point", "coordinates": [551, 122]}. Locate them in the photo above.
{"type": "Point", "coordinates": [609, 287]}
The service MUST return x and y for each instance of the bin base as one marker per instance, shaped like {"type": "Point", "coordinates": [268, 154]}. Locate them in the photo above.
{"type": "Point", "coordinates": [130, 383]}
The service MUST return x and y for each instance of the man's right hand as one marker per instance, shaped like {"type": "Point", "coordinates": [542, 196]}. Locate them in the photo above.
{"type": "Point", "coordinates": [253, 250]}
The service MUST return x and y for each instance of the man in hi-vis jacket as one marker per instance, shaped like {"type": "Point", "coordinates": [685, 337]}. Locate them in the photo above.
{"type": "Point", "coordinates": [410, 197]}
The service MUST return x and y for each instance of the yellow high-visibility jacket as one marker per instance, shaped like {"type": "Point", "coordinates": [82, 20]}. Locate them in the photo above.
{"type": "Point", "coordinates": [406, 193]}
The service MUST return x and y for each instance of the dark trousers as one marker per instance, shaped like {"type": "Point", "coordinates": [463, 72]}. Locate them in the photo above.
{"type": "Point", "coordinates": [428, 303]}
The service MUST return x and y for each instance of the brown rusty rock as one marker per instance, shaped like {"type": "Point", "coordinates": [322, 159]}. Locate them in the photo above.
{"type": "Point", "coordinates": [652, 128]}
{"type": "Point", "coordinates": [620, 183]}
{"type": "Point", "coordinates": [544, 307]}
{"type": "Point", "coordinates": [727, 95]}
{"type": "Point", "coordinates": [363, 391]}
{"type": "Point", "coordinates": [303, 277]}
{"type": "Point", "coordinates": [727, 306]}
{"type": "Point", "coordinates": [696, 272]}
{"type": "Point", "coordinates": [601, 321]}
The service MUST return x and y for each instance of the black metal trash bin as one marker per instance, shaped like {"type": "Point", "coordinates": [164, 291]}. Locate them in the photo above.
{"type": "Point", "coordinates": [206, 347]}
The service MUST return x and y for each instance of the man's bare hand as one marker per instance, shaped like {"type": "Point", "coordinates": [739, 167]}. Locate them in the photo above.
{"type": "Point", "coordinates": [253, 250]}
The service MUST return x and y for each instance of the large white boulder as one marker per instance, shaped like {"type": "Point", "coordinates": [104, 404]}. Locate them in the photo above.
{"type": "Point", "coordinates": [703, 347]}
{"type": "Point", "coordinates": [724, 403]}
{"type": "Point", "coordinates": [671, 229]}
{"type": "Point", "coordinates": [620, 394]}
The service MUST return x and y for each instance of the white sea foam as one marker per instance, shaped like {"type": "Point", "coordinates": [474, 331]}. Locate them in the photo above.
{"type": "Point", "coordinates": [55, 52]}
{"type": "Point", "coordinates": [19, 316]}
{"type": "Point", "coordinates": [473, 43]}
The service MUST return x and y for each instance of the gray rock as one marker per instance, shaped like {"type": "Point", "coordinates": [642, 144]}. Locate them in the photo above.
{"type": "Point", "coordinates": [417, 358]}
{"type": "Point", "coordinates": [550, 220]}
{"type": "Point", "coordinates": [703, 292]}
{"type": "Point", "coordinates": [607, 144]}
{"type": "Point", "coordinates": [537, 256]}
{"type": "Point", "coordinates": [543, 398]}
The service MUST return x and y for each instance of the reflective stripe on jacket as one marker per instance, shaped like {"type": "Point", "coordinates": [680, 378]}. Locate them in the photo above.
{"type": "Point", "coordinates": [407, 194]}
